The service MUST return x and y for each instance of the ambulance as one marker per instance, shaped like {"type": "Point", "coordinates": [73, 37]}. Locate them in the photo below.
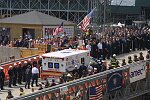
{"type": "Point", "coordinates": [54, 64]}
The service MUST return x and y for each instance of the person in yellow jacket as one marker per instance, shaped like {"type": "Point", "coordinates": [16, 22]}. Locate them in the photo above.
{"type": "Point", "coordinates": [114, 63]}
{"type": "Point", "coordinates": [22, 92]}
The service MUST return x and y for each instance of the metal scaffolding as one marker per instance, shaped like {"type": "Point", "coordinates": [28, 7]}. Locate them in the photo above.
{"type": "Point", "coordinates": [70, 10]}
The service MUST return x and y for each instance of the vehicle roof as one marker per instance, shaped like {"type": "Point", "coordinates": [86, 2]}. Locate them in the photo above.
{"type": "Point", "coordinates": [64, 53]}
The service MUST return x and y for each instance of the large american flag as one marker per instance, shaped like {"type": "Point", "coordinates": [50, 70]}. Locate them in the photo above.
{"type": "Point", "coordinates": [95, 93]}
{"type": "Point", "coordinates": [58, 29]}
{"type": "Point", "coordinates": [86, 21]}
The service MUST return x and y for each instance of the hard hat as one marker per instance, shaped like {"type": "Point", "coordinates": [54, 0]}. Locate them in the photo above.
{"type": "Point", "coordinates": [95, 68]}
{"type": "Point", "coordinates": [1, 68]}
{"type": "Point", "coordinates": [34, 58]}
{"type": "Point", "coordinates": [29, 59]}
{"type": "Point", "coordinates": [19, 62]}
{"type": "Point", "coordinates": [76, 66]}
{"type": "Point", "coordinates": [10, 66]}
{"type": "Point", "coordinates": [114, 55]}
{"type": "Point", "coordinates": [103, 61]}
{"type": "Point", "coordinates": [15, 64]}
{"type": "Point", "coordinates": [40, 56]}
{"type": "Point", "coordinates": [69, 75]}
{"type": "Point", "coordinates": [25, 62]}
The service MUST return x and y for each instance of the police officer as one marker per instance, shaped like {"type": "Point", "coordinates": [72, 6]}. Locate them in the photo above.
{"type": "Point", "coordinates": [113, 61]}
{"type": "Point", "coordinates": [2, 78]}
{"type": "Point", "coordinates": [15, 72]}
{"type": "Point", "coordinates": [130, 60]}
{"type": "Point", "coordinates": [11, 75]}
{"type": "Point", "coordinates": [135, 58]}
{"type": "Point", "coordinates": [28, 76]}
{"type": "Point", "coordinates": [123, 62]}
{"type": "Point", "coordinates": [20, 73]}
{"type": "Point", "coordinates": [141, 56]}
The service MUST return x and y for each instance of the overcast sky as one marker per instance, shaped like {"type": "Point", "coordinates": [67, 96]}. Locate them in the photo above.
{"type": "Point", "coordinates": [124, 2]}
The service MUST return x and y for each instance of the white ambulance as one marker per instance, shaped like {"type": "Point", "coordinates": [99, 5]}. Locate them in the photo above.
{"type": "Point", "coordinates": [56, 63]}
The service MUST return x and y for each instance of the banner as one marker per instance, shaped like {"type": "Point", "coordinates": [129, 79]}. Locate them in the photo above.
{"type": "Point", "coordinates": [114, 81]}
{"type": "Point", "coordinates": [48, 31]}
{"type": "Point", "coordinates": [137, 72]}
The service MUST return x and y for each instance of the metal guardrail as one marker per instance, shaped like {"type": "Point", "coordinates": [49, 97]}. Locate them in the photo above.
{"type": "Point", "coordinates": [128, 91]}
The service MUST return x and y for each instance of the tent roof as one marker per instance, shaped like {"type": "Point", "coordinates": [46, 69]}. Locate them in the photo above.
{"type": "Point", "coordinates": [35, 17]}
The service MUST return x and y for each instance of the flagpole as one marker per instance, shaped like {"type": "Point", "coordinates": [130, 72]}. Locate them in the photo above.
{"type": "Point", "coordinates": [83, 19]}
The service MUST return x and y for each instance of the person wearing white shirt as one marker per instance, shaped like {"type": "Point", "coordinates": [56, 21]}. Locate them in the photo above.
{"type": "Point", "coordinates": [35, 73]}
{"type": "Point", "coordinates": [88, 47]}
{"type": "Point", "coordinates": [100, 47]}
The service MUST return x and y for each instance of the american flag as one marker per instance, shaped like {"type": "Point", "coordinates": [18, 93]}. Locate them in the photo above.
{"type": "Point", "coordinates": [95, 93]}
{"type": "Point", "coordinates": [58, 29]}
{"type": "Point", "coordinates": [86, 21]}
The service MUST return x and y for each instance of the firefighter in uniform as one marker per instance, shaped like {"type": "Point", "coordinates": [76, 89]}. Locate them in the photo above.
{"type": "Point", "coordinates": [113, 61]}
{"type": "Point", "coordinates": [135, 59]}
{"type": "Point", "coordinates": [141, 56]}
{"type": "Point", "coordinates": [130, 60]}
{"type": "Point", "coordinates": [11, 75]}
{"type": "Point", "coordinates": [123, 62]}
{"type": "Point", "coordinates": [2, 78]}
{"type": "Point", "coordinates": [148, 54]}
{"type": "Point", "coordinates": [24, 70]}
{"type": "Point", "coordinates": [15, 74]}
{"type": "Point", "coordinates": [20, 73]}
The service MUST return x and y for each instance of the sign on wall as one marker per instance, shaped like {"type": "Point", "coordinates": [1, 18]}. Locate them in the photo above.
{"type": "Point", "coordinates": [114, 81]}
{"type": "Point", "coordinates": [48, 31]}
{"type": "Point", "coordinates": [137, 72]}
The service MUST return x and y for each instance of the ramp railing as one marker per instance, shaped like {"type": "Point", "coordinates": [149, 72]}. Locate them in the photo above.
{"type": "Point", "coordinates": [117, 84]}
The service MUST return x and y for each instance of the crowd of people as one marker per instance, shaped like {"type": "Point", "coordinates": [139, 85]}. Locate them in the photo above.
{"type": "Point", "coordinates": [102, 46]}
{"type": "Point", "coordinates": [116, 40]}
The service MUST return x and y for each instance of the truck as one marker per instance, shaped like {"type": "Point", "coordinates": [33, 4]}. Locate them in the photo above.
{"type": "Point", "coordinates": [54, 64]}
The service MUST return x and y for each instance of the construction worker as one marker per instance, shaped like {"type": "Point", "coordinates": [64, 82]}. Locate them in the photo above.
{"type": "Point", "coordinates": [123, 62]}
{"type": "Point", "coordinates": [141, 56]}
{"type": "Point", "coordinates": [135, 59]}
{"type": "Point", "coordinates": [130, 60]}
{"type": "Point", "coordinates": [113, 61]}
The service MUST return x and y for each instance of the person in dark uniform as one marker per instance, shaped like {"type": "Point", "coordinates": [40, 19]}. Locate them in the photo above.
{"type": "Point", "coordinates": [11, 74]}
{"type": "Point", "coordinates": [141, 56]}
{"type": "Point", "coordinates": [28, 76]}
{"type": "Point", "coordinates": [81, 69]}
{"type": "Point", "coordinates": [15, 74]}
{"type": "Point", "coordinates": [20, 73]}
{"type": "Point", "coordinates": [24, 70]}
{"type": "Point", "coordinates": [130, 60]}
{"type": "Point", "coordinates": [148, 54]}
{"type": "Point", "coordinates": [2, 78]}
{"type": "Point", "coordinates": [75, 70]}
{"type": "Point", "coordinates": [123, 62]}
{"type": "Point", "coordinates": [135, 59]}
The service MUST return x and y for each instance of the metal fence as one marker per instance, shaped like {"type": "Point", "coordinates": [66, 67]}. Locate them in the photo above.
{"type": "Point", "coordinates": [135, 81]}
